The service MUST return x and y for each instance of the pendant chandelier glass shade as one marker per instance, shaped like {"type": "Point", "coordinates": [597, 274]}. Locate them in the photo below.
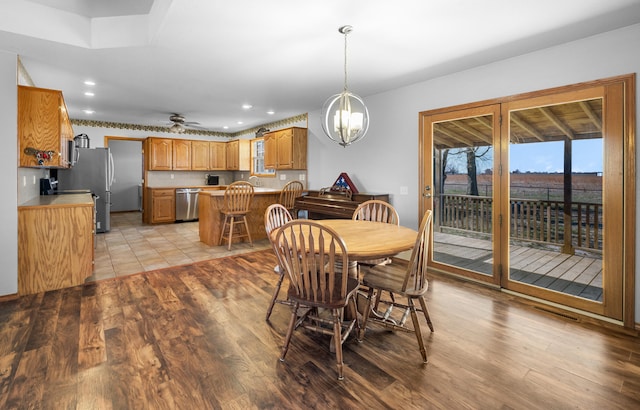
{"type": "Point", "coordinates": [345, 118]}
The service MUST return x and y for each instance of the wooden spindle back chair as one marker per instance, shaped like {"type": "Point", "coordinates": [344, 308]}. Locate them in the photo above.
{"type": "Point", "coordinates": [237, 200]}
{"type": "Point", "coordinates": [402, 280]}
{"type": "Point", "coordinates": [309, 252]}
{"type": "Point", "coordinates": [275, 216]}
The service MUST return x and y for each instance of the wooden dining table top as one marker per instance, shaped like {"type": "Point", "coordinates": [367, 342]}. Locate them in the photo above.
{"type": "Point", "coordinates": [371, 240]}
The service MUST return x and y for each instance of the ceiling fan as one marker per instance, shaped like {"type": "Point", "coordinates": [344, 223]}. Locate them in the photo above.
{"type": "Point", "coordinates": [179, 125]}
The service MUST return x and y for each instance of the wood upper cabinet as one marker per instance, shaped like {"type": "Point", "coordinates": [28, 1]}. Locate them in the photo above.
{"type": "Point", "coordinates": [43, 126]}
{"type": "Point", "coordinates": [271, 150]}
{"type": "Point", "coordinates": [158, 154]}
{"type": "Point", "coordinates": [286, 149]}
{"type": "Point", "coordinates": [217, 155]}
{"type": "Point", "coordinates": [200, 155]}
{"type": "Point", "coordinates": [239, 155]}
{"type": "Point", "coordinates": [181, 155]}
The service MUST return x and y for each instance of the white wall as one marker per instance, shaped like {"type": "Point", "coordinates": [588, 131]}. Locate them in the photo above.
{"type": "Point", "coordinates": [9, 173]}
{"type": "Point", "coordinates": [388, 156]}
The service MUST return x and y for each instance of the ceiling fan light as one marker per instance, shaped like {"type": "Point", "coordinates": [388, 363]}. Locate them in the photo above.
{"type": "Point", "coordinates": [177, 129]}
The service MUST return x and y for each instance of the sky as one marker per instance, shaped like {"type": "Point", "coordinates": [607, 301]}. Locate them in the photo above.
{"type": "Point", "coordinates": [549, 156]}
{"type": "Point", "coordinates": [546, 157]}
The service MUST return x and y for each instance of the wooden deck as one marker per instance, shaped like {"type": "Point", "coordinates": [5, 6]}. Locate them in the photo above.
{"type": "Point", "coordinates": [576, 275]}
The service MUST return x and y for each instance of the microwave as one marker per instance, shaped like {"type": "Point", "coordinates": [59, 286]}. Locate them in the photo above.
{"type": "Point", "coordinates": [213, 180]}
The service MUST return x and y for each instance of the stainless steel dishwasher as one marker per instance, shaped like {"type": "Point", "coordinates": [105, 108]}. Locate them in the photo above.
{"type": "Point", "coordinates": [187, 204]}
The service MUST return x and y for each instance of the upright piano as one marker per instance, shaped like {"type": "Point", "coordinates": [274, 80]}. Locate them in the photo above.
{"type": "Point", "coordinates": [333, 205]}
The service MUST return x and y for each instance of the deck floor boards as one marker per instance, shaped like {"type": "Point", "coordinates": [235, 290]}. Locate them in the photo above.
{"type": "Point", "coordinates": [576, 275]}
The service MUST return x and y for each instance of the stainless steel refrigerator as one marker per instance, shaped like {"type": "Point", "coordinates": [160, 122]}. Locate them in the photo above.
{"type": "Point", "coordinates": [93, 170]}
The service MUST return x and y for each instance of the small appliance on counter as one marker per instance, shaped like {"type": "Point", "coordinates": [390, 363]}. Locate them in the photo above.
{"type": "Point", "coordinates": [48, 186]}
{"type": "Point", "coordinates": [212, 179]}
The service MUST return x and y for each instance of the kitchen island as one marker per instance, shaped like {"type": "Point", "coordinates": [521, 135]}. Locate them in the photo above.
{"type": "Point", "coordinates": [211, 220]}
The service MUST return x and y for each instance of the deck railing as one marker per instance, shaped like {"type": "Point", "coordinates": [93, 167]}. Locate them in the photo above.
{"type": "Point", "coordinates": [530, 220]}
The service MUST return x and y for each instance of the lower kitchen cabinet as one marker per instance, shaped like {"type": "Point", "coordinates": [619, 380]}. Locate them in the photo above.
{"type": "Point", "coordinates": [55, 242]}
{"type": "Point", "coordinates": [161, 205]}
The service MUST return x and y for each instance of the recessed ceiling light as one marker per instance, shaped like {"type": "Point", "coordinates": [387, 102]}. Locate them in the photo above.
{"type": "Point", "coordinates": [247, 106]}
{"type": "Point", "coordinates": [240, 123]}
{"type": "Point", "coordinates": [89, 94]}
{"type": "Point", "coordinates": [89, 82]}
{"type": "Point", "coordinates": [271, 112]}
{"type": "Point", "coordinates": [226, 127]}
{"type": "Point", "coordinates": [88, 111]}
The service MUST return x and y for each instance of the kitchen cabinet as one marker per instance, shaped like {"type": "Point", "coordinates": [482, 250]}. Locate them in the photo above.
{"type": "Point", "coordinates": [55, 242]}
{"type": "Point", "coordinates": [44, 128]}
{"type": "Point", "coordinates": [217, 156]}
{"type": "Point", "coordinates": [181, 155]}
{"type": "Point", "coordinates": [239, 155]}
{"type": "Point", "coordinates": [200, 155]}
{"type": "Point", "coordinates": [286, 149]}
{"type": "Point", "coordinates": [161, 206]}
{"type": "Point", "coordinates": [158, 154]}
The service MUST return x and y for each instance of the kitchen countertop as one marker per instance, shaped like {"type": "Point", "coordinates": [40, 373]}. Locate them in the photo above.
{"type": "Point", "coordinates": [59, 201]}
{"type": "Point", "coordinates": [256, 191]}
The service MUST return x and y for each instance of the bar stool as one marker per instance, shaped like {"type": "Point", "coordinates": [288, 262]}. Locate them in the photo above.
{"type": "Point", "coordinates": [237, 199]}
{"type": "Point", "coordinates": [288, 195]}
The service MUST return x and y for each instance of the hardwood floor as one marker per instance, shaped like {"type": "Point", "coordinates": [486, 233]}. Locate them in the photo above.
{"type": "Point", "coordinates": [194, 337]}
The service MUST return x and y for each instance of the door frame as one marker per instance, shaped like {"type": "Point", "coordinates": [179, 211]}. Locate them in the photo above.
{"type": "Point", "coordinates": [627, 84]}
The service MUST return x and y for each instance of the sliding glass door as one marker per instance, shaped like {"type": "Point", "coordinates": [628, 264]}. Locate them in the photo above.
{"type": "Point", "coordinates": [536, 194]}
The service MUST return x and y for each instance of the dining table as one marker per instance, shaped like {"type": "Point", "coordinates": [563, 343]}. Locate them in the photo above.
{"type": "Point", "coordinates": [367, 240]}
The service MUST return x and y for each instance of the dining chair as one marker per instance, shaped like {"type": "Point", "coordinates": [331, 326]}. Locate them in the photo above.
{"type": "Point", "coordinates": [403, 279]}
{"type": "Point", "coordinates": [275, 216]}
{"type": "Point", "coordinates": [288, 195]}
{"type": "Point", "coordinates": [308, 252]}
{"type": "Point", "coordinates": [377, 211]}
{"type": "Point", "coordinates": [236, 203]}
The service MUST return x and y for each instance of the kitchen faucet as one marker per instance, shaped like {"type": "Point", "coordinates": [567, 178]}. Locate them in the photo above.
{"type": "Point", "coordinates": [257, 183]}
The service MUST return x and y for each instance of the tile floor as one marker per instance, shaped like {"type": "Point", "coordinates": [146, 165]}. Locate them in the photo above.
{"type": "Point", "coordinates": [132, 247]}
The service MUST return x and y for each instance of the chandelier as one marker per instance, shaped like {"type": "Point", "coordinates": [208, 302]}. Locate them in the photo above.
{"type": "Point", "coordinates": [345, 118]}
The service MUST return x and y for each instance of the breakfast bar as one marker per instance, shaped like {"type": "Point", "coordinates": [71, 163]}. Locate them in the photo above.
{"type": "Point", "coordinates": [210, 203]}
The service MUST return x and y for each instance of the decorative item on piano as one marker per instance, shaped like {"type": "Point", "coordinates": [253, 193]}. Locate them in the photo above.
{"type": "Point", "coordinates": [336, 202]}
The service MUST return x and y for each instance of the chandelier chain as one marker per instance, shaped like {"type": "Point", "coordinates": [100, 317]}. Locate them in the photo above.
{"type": "Point", "coordinates": [345, 59]}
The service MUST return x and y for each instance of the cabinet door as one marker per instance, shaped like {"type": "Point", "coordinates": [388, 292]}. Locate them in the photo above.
{"type": "Point", "coordinates": [39, 125]}
{"type": "Point", "coordinates": [270, 150]}
{"type": "Point", "coordinates": [200, 155]}
{"type": "Point", "coordinates": [285, 149]}
{"type": "Point", "coordinates": [163, 205]}
{"type": "Point", "coordinates": [181, 155]}
{"type": "Point", "coordinates": [217, 155]}
{"type": "Point", "coordinates": [232, 155]}
{"type": "Point", "coordinates": [160, 154]}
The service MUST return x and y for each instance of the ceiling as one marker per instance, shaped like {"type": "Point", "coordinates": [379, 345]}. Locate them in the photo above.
{"type": "Point", "coordinates": [205, 59]}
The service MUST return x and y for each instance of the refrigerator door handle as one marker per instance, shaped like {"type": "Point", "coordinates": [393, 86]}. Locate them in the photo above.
{"type": "Point", "coordinates": [111, 170]}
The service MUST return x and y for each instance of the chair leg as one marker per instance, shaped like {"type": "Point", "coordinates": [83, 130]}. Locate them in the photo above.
{"type": "Point", "coordinates": [231, 228]}
{"type": "Point", "coordinates": [276, 292]}
{"type": "Point", "coordinates": [246, 226]}
{"type": "Point", "coordinates": [423, 305]}
{"type": "Point", "coordinates": [416, 328]}
{"type": "Point", "coordinates": [337, 339]}
{"type": "Point", "coordinates": [365, 315]}
{"type": "Point", "coordinates": [224, 226]}
{"type": "Point", "coordinates": [292, 324]}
